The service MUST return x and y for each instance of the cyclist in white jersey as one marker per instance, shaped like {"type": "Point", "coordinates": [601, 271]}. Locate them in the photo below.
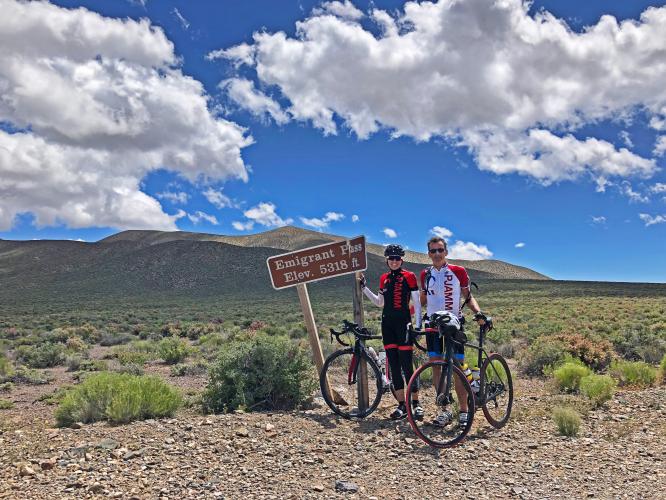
{"type": "Point", "coordinates": [445, 287]}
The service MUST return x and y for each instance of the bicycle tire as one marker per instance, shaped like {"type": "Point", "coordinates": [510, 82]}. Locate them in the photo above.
{"type": "Point", "coordinates": [496, 385]}
{"type": "Point", "coordinates": [436, 436]}
{"type": "Point", "coordinates": [336, 368]}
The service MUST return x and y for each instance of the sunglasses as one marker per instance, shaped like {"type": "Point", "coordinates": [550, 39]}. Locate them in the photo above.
{"type": "Point", "coordinates": [394, 257]}
{"type": "Point", "coordinates": [436, 250]}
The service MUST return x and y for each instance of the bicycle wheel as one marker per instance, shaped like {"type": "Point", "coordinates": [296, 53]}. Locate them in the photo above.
{"type": "Point", "coordinates": [440, 436]}
{"type": "Point", "coordinates": [343, 371]}
{"type": "Point", "coordinates": [498, 396]}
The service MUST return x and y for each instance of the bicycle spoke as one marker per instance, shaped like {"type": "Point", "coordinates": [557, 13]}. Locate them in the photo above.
{"type": "Point", "coordinates": [498, 392]}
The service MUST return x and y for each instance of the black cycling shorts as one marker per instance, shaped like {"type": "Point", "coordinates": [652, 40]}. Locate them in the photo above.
{"type": "Point", "coordinates": [435, 345]}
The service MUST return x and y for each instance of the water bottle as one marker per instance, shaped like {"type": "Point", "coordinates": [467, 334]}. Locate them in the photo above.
{"type": "Point", "coordinates": [468, 373]}
{"type": "Point", "coordinates": [476, 379]}
{"type": "Point", "coordinates": [382, 365]}
{"type": "Point", "coordinates": [373, 355]}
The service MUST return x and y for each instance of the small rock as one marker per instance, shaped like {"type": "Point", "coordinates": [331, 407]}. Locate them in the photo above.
{"type": "Point", "coordinates": [318, 487]}
{"type": "Point", "coordinates": [533, 446]}
{"type": "Point", "coordinates": [96, 488]}
{"type": "Point", "coordinates": [409, 440]}
{"type": "Point", "coordinates": [107, 444]}
{"type": "Point", "coordinates": [242, 432]}
{"type": "Point", "coordinates": [134, 454]}
{"type": "Point", "coordinates": [76, 425]}
{"type": "Point", "coordinates": [26, 470]}
{"type": "Point", "coordinates": [269, 427]}
{"type": "Point", "coordinates": [48, 464]}
{"type": "Point", "coordinates": [169, 440]}
{"type": "Point", "coordinates": [346, 486]}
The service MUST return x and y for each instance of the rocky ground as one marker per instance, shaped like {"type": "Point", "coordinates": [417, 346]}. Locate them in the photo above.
{"type": "Point", "coordinates": [620, 453]}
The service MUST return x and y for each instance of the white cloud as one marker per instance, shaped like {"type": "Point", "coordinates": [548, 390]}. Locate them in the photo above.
{"type": "Point", "coordinates": [466, 250]}
{"type": "Point", "coordinates": [217, 198]}
{"type": "Point", "coordinates": [598, 219]}
{"type": "Point", "coordinates": [174, 197]}
{"type": "Point", "coordinates": [264, 214]}
{"type": "Point", "coordinates": [651, 220]}
{"type": "Point", "coordinates": [324, 221]}
{"type": "Point", "coordinates": [660, 146]}
{"type": "Point", "coordinates": [101, 103]}
{"type": "Point", "coordinates": [243, 93]}
{"type": "Point", "coordinates": [484, 74]}
{"type": "Point", "coordinates": [344, 10]}
{"type": "Point", "coordinates": [442, 232]}
{"type": "Point", "coordinates": [390, 233]}
{"type": "Point", "coordinates": [243, 226]}
{"type": "Point", "coordinates": [634, 196]}
{"type": "Point", "coordinates": [199, 216]}
{"type": "Point", "coordinates": [239, 54]}
{"type": "Point", "coordinates": [626, 138]}
{"type": "Point", "coordinates": [183, 22]}
{"type": "Point", "coordinates": [659, 187]}
{"type": "Point", "coordinates": [520, 245]}
{"type": "Point", "coordinates": [355, 218]}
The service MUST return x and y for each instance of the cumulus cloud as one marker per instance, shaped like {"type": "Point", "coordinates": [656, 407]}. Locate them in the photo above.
{"type": "Point", "coordinates": [174, 196]}
{"type": "Point", "coordinates": [94, 104]}
{"type": "Point", "coordinates": [466, 250]}
{"type": "Point", "coordinates": [355, 218]}
{"type": "Point", "coordinates": [264, 214]}
{"type": "Point", "coordinates": [520, 245]}
{"type": "Point", "coordinates": [511, 87]}
{"type": "Point", "coordinates": [321, 223]}
{"type": "Point", "coordinates": [660, 146]}
{"type": "Point", "coordinates": [243, 226]}
{"type": "Point", "coordinates": [442, 232]}
{"type": "Point", "coordinates": [659, 187]}
{"type": "Point", "coordinates": [243, 93]}
{"type": "Point", "coordinates": [199, 216]}
{"type": "Point", "coordinates": [634, 196]}
{"type": "Point", "coordinates": [390, 233]}
{"type": "Point", "coordinates": [600, 219]}
{"type": "Point", "coordinates": [650, 220]}
{"type": "Point", "coordinates": [217, 198]}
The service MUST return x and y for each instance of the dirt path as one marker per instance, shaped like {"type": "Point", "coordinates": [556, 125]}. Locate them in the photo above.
{"type": "Point", "coordinates": [620, 453]}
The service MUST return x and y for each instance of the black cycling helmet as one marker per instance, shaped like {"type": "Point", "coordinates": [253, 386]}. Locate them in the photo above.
{"type": "Point", "coordinates": [394, 251]}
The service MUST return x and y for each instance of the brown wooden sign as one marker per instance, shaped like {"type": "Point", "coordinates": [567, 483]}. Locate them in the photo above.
{"type": "Point", "coordinates": [318, 263]}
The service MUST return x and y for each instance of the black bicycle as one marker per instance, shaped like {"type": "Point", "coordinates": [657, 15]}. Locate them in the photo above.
{"type": "Point", "coordinates": [343, 371]}
{"type": "Point", "coordinates": [445, 391]}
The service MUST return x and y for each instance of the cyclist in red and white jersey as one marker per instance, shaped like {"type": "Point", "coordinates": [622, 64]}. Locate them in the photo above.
{"type": "Point", "coordinates": [445, 287]}
{"type": "Point", "coordinates": [396, 288]}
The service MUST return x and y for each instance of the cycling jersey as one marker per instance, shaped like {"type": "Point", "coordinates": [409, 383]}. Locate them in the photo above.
{"type": "Point", "coordinates": [397, 286]}
{"type": "Point", "coordinates": [444, 288]}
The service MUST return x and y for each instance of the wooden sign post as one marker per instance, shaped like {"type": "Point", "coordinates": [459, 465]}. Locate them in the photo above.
{"type": "Point", "coordinates": [314, 264]}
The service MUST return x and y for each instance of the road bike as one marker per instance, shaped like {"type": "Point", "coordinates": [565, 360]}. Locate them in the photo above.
{"type": "Point", "coordinates": [444, 388]}
{"type": "Point", "coordinates": [342, 374]}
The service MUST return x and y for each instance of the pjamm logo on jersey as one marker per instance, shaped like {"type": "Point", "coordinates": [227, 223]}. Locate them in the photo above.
{"type": "Point", "coordinates": [448, 292]}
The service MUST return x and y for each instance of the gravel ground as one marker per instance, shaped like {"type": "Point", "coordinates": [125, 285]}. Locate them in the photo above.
{"type": "Point", "coordinates": [619, 453]}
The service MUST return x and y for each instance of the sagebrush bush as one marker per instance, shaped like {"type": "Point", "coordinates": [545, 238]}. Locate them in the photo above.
{"type": "Point", "coordinates": [196, 368]}
{"type": "Point", "coordinates": [256, 372]}
{"type": "Point", "coordinates": [598, 388]}
{"type": "Point", "coordinates": [24, 375]}
{"type": "Point", "coordinates": [110, 339]}
{"type": "Point", "coordinates": [45, 355]}
{"type": "Point", "coordinates": [636, 373]}
{"type": "Point", "coordinates": [567, 420]}
{"type": "Point", "coordinates": [594, 351]}
{"type": "Point", "coordinates": [127, 356]}
{"type": "Point", "coordinates": [76, 344]}
{"type": "Point", "coordinates": [5, 404]}
{"type": "Point", "coordinates": [173, 350]}
{"type": "Point", "coordinates": [662, 369]}
{"type": "Point", "coordinates": [568, 375]}
{"type": "Point", "coordinates": [6, 368]}
{"type": "Point", "coordinates": [117, 398]}
{"type": "Point", "coordinates": [542, 353]}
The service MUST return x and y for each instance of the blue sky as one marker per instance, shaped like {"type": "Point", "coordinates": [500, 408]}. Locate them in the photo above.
{"type": "Point", "coordinates": [499, 182]}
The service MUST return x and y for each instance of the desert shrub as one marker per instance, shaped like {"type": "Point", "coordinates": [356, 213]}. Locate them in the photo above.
{"type": "Point", "coordinates": [568, 375]}
{"type": "Point", "coordinates": [635, 373]}
{"type": "Point", "coordinates": [171, 330]}
{"type": "Point", "coordinates": [76, 344]}
{"type": "Point", "coordinates": [567, 420]}
{"type": "Point", "coordinates": [640, 343]}
{"type": "Point", "coordinates": [111, 339]}
{"type": "Point", "coordinates": [662, 369]}
{"type": "Point", "coordinates": [45, 355]}
{"type": "Point", "coordinates": [6, 387]}
{"type": "Point", "coordinates": [93, 365]}
{"type": "Point", "coordinates": [194, 331]}
{"type": "Point", "coordinates": [56, 396]}
{"type": "Point", "coordinates": [598, 388]}
{"type": "Point", "coordinates": [117, 398]}
{"type": "Point", "coordinates": [6, 368]}
{"type": "Point", "coordinates": [209, 344]}
{"type": "Point", "coordinates": [261, 371]}
{"type": "Point", "coordinates": [130, 369]}
{"type": "Point", "coordinates": [543, 352]}
{"type": "Point", "coordinates": [5, 404]}
{"type": "Point", "coordinates": [173, 350]}
{"type": "Point", "coordinates": [196, 368]}
{"type": "Point", "coordinates": [24, 375]}
{"type": "Point", "coordinates": [128, 355]}
{"type": "Point", "coordinates": [594, 351]}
